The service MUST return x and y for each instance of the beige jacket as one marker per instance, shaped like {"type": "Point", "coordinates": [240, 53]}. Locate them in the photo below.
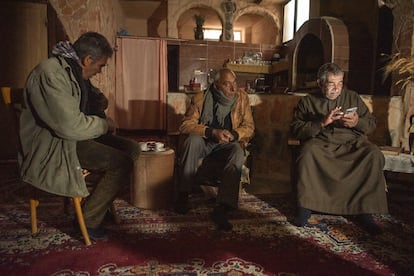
{"type": "Point", "coordinates": [241, 117]}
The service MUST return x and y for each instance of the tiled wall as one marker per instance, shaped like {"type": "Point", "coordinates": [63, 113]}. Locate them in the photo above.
{"type": "Point", "coordinates": [205, 55]}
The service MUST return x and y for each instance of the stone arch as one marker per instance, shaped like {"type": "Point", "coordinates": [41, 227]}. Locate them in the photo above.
{"type": "Point", "coordinates": [260, 11]}
{"type": "Point", "coordinates": [173, 28]}
{"type": "Point", "coordinates": [334, 38]}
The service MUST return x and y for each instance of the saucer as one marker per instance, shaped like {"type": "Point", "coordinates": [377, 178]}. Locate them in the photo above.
{"type": "Point", "coordinates": [154, 150]}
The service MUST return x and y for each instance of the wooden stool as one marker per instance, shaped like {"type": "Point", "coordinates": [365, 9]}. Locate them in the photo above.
{"type": "Point", "coordinates": [34, 203]}
{"type": "Point", "coordinates": [152, 185]}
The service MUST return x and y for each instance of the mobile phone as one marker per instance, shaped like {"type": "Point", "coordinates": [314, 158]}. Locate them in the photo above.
{"type": "Point", "coordinates": [351, 110]}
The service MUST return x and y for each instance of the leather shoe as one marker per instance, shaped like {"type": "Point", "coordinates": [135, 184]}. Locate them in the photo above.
{"type": "Point", "coordinates": [96, 234]}
{"type": "Point", "coordinates": [181, 206]}
{"type": "Point", "coordinates": [367, 223]}
{"type": "Point", "coordinates": [302, 217]}
{"type": "Point", "coordinates": [221, 221]}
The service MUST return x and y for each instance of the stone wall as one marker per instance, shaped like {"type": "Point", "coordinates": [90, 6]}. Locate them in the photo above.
{"type": "Point", "coordinates": [103, 16]}
{"type": "Point", "coordinates": [177, 7]}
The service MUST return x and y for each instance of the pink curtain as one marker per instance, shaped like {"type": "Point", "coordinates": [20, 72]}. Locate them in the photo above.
{"type": "Point", "coordinates": [141, 83]}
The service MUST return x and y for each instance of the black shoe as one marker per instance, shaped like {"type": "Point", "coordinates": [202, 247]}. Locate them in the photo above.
{"type": "Point", "coordinates": [367, 223]}
{"type": "Point", "coordinates": [181, 205]}
{"type": "Point", "coordinates": [96, 234]}
{"type": "Point", "coordinates": [181, 208]}
{"type": "Point", "coordinates": [219, 217]}
{"type": "Point", "coordinates": [302, 217]}
{"type": "Point", "coordinates": [109, 218]}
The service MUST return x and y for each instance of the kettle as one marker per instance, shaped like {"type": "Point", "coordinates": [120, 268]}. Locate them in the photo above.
{"type": "Point", "coordinates": [201, 78]}
{"type": "Point", "coordinates": [259, 85]}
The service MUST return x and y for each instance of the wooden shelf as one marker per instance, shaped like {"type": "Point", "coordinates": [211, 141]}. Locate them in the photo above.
{"type": "Point", "coordinates": [249, 68]}
{"type": "Point", "coordinates": [259, 69]}
{"type": "Point", "coordinates": [280, 66]}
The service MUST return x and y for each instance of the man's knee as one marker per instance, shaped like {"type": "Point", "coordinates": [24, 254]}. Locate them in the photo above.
{"type": "Point", "coordinates": [308, 151]}
{"type": "Point", "coordinates": [133, 150]}
{"type": "Point", "coordinates": [237, 155]}
{"type": "Point", "coordinates": [374, 153]}
{"type": "Point", "coordinates": [122, 162]}
{"type": "Point", "coordinates": [192, 141]}
{"type": "Point", "coordinates": [192, 146]}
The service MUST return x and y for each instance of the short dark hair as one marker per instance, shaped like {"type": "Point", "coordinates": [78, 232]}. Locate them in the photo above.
{"type": "Point", "coordinates": [328, 68]}
{"type": "Point", "coordinates": [93, 44]}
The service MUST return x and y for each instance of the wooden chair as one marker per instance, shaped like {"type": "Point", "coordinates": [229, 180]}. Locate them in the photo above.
{"type": "Point", "coordinates": [76, 201]}
{"type": "Point", "coordinates": [34, 203]}
{"type": "Point", "coordinates": [15, 102]}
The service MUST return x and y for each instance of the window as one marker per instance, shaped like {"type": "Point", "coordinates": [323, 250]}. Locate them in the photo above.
{"type": "Point", "coordinates": [214, 34]}
{"type": "Point", "coordinates": [289, 20]}
{"type": "Point", "coordinates": [302, 13]}
{"type": "Point", "coordinates": [295, 13]}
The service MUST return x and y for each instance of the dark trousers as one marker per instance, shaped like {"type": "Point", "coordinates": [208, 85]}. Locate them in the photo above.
{"type": "Point", "coordinates": [114, 157]}
{"type": "Point", "coordinates": [220, 162]}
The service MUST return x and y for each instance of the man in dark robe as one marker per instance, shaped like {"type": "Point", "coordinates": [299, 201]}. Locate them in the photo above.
{"type": "Point", "coordinates": [339, 170]}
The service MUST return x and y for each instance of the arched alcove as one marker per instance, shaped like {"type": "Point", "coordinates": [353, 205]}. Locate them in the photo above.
{"type": "Point", "coordinates": [186, 23]}
{"type": "Point", "coordinates": [310, 55]}
{"type": "Point", "coordinates": [256, 24]}
{"type": "Point", "coordinates": [256, 28]}
{"type": "Point", "coordinates": [326, 34]}
{"type": "Point", "coordinates": [260, 25]}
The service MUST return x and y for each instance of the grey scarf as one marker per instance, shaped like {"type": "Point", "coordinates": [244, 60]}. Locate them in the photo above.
{"type": "Point", "coordinates": [222, 104]}
{"type": "Point", "coordinates": [65, 49]}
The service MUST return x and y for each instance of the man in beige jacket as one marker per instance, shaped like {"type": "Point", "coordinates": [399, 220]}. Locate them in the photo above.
{"type": "Point", "coordinates": [219, 123]}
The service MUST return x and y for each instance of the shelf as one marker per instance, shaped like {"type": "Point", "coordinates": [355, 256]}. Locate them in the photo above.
{"type": "Point", "coordinates": [259, 69]}
{"type": "Point", "coordinates": [249, 68]}
{"type": "Point", "coordinates": [280, 66]}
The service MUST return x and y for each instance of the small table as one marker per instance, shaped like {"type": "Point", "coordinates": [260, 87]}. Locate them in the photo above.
{"type": "Point", "coordinates": [152, 184]}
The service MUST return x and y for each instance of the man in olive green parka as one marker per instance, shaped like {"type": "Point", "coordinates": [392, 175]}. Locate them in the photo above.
{"type": "Point", "coordinates": [60, 134]}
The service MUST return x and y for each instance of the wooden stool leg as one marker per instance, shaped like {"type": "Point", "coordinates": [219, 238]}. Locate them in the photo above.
{"type": "Point", "coordinates": [33, 214]}
{"type": "Point", "coordinates": [81, 221]}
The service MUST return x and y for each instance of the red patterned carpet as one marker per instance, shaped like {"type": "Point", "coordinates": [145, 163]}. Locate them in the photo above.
{"type": "Point", "coordinates": [262, 242]}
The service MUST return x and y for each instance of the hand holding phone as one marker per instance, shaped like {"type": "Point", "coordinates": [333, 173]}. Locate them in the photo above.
{"type": "Point", "coordinates": [351, 110]}
{"type": "Point", "coordinates": [350, 117]}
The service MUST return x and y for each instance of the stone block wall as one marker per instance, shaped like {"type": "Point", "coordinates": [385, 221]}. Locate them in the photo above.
{"type": "Point", "coordinates": [267, 8]}
{"type": "Point", "coordinates": [103, 16]}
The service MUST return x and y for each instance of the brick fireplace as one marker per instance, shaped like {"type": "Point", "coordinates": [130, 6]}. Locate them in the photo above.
{"type": "Point", "coordinates": [330, 39]}
{"type": "Point", "coordinates": [318, 41]}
